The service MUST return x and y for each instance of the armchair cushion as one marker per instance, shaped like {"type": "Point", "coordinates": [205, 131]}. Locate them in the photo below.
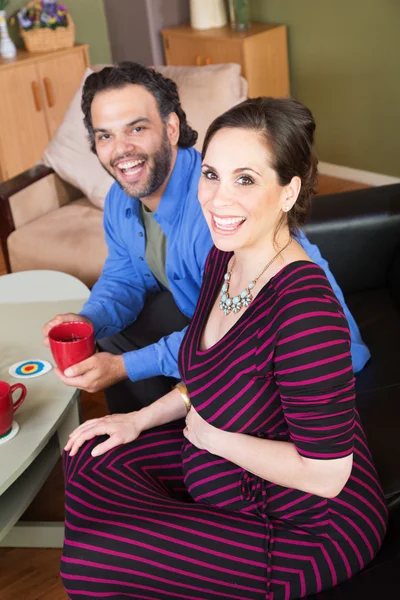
{"type": "Point", "coordinates": [69, 239]}
{"type": "Point", "coordinates": [205, 93]}
{"type": "Point", "coordinates": [40, 197]}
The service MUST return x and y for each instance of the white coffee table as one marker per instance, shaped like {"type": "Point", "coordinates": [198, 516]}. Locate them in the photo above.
{"type": "Point", "coordinates": [50, 411]}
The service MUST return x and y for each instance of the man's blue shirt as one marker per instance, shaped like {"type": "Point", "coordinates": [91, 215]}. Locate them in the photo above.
{"type": "Point", "coordinates": [119, 295]}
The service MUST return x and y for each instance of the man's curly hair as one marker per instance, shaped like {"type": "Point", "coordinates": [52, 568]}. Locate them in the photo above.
{"type": "Point", "coordinates": [163, 89]}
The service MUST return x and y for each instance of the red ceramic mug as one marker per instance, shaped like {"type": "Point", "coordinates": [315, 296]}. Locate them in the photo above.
{"type": "Point", "coordinates": [71, 343]}
{"type": "Point", "coordinates": [8, 406]}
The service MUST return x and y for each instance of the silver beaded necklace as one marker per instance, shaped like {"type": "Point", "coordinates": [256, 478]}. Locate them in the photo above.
{"type": "Point", "coordinates": [235, 304]}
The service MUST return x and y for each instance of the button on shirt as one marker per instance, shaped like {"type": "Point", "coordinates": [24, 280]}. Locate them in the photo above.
{"type": "Point", "coordinates": [119, 295]}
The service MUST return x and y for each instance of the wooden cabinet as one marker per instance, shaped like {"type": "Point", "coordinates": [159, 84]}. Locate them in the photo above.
{"type": "Point", "coordinates": [23, 129]}
{"type": "Point", "coordinates": [35, 91]}
{"type": "Point", "coordinates": [261, 51]}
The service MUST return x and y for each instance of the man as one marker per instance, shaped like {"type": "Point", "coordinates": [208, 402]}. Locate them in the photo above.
{"type": "Point", "coordinates": [157, 239]}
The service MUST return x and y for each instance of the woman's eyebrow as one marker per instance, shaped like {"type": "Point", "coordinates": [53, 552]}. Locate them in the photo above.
{"type": "Point", "coordinates": [241, 169]}
{"type": "Point", "coordinates": [238, 170]}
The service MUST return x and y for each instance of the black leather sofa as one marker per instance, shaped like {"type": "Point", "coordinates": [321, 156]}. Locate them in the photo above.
{"type": "Point", "coordinates": [359, 234]}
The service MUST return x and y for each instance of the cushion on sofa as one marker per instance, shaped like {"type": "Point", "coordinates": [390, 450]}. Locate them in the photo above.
{"type": "Point", "coordinates": [69, 239]}
{"type": "Point", "coordinates": [205, 93]}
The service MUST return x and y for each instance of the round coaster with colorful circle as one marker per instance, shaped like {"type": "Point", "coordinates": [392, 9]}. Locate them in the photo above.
{"type": "Point", "coordinates": [30, 368]}
{"type": "Point", "coordinates": [10, 434]}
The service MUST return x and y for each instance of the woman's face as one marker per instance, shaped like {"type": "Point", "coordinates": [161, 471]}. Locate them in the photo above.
{"type": "Point", "coordinates": [238, 190]}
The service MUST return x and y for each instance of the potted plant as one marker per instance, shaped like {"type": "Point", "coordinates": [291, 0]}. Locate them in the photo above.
{"type": "Point", "coordinates": [46, 25]}
{"type": "Point", "coordinates": [47, 13]}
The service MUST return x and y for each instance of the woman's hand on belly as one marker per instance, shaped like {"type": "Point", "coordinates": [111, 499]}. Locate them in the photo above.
{"type": "Point", "coordinates": [199, 432]}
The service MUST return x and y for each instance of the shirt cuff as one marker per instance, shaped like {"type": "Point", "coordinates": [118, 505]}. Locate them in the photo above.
{"type": "Point", "coordinates": [142, 363]}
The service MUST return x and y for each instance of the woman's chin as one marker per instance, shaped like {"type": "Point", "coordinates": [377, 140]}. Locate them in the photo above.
{"type": "Point", "coordinates": [226, 244]}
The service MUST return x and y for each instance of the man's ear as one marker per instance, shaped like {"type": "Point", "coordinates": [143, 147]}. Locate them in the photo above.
{"type": "Point", "coordinates": [172, 125]}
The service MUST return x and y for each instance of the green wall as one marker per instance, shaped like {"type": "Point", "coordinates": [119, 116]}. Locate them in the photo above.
{"type": "Point", "coordinates": [90, 26]}
{"type": "Point", "coordinates": [345, 65]}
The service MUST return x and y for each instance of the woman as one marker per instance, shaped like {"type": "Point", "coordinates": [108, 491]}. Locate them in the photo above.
{"type": "Point", "coordinates": [270, 490]}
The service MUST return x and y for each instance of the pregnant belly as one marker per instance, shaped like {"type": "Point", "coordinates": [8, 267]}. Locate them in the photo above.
{"type": "Point", "coordinates": [211, 479]}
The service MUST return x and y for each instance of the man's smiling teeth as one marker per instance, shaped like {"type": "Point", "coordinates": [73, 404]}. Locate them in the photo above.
{"type": "Point", "coordinates": [130, 164]}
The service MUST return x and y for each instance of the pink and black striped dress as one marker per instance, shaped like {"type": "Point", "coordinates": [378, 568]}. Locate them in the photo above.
{"type": "Point", "coordinates": [161, 519]}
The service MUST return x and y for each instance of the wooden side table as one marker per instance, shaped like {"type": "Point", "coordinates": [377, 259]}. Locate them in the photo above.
{"type": "Point", "coordinates": [261, 51]}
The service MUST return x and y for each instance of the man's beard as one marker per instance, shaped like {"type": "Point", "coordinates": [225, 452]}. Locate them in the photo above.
{"type": "Point", "coordinates": [159, 169]}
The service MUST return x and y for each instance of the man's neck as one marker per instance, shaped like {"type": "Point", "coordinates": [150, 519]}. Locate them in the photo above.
{"type": "Point", "coordinates": [152, 201]}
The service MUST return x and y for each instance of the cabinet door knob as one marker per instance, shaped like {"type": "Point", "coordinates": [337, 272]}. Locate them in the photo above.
{"type": "Point", "coordinates": [198, 61]}
{"type": "Point", "coordinates": [36, 96]}
{"type": "Point", "coordinates": [208, 61]}
{"type": "Point", "coordinates": [49, 91]}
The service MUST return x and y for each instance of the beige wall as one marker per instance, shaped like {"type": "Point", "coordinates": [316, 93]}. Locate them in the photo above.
{"type": "Point", "coordinates": [90, 23]}
{"type": "Point", "coordinates": [345, 65]}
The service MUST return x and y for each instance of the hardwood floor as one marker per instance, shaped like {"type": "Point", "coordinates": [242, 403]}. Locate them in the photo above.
{"type": "Point", "coordinates": [333, 185]}
{"type": "Point", "coordinates": [27, 574]}
{"type": "Point", "coordinates": [33, 574]}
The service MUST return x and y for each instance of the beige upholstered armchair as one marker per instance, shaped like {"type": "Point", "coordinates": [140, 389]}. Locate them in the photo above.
{"type": "Point", "coordinates": [51, 216]}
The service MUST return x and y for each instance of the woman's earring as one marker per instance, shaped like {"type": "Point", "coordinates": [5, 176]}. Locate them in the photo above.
{"type": "Point", "coordinates": [286, 207]}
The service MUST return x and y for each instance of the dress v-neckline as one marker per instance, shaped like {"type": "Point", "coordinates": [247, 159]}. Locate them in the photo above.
{"type": "Point", "coordinates": [246, 313]}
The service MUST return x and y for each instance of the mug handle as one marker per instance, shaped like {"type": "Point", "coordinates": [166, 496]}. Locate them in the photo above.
{"type": "Point", "coordinates": [18, 386]}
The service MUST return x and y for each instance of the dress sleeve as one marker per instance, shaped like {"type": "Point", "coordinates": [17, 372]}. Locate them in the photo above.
{"type": "Point", "coordinates": [313, 369]}
{"type": "Point", "coordinates": [359, 351]}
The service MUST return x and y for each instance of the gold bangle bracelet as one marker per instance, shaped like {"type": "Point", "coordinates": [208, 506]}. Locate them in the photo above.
{"type": "Point", "coordinates": [184, 393]}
